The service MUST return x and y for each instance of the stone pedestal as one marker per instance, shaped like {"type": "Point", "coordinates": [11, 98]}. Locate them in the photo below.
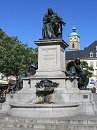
{"type": "Point", "coordinates": [72, 85]}
{"type": "Point", "coordinates": [51, 65]}
{"type": "Point", "coordinates": [51, 57]}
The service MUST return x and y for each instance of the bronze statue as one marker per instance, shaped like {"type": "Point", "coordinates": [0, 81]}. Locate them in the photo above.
{"type": "Point", "coordinates": [71, 71]}
{"type": "Point", "coordinates": [83, 78]}
{"type": "Point", "coordinates": [30, 69]}
{"type": "Point", "coordinates": [74, 69]}
{"type": "Point", "coordinates": [52, 25]}
{"type": "Point", "coordinates": [45, 87]}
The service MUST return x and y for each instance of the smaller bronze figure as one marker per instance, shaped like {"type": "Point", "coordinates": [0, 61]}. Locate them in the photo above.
{"type": "Point", "coordinates": [52, 25]}
{"type": "Point", "coordinates": [74, 69]}
{"type": "Point", "coordinates": [71, 71]}
{"type": "Point", "coordinates": [83, 78]}
{"type": "Point", "coordinates": [30, 69]}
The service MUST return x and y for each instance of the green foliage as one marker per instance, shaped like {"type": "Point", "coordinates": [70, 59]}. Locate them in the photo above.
{"type": "Point", "coordinates": [14, 55]}
{"type": "Point", "coordinates": [94, 90]}
{"type": "Point", "coordinates": [88, 70]}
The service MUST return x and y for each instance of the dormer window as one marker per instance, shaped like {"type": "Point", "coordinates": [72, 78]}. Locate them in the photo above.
{"type": "Point", "coordinates": [96, 54]}
{"type": "Point", "coordinates": [96, 48]}
{"type": "Point", "coordinates": [91, 54]}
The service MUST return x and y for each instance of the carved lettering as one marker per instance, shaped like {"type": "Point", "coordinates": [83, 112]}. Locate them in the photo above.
{"type": "Point", "coordinates": [49, 56]}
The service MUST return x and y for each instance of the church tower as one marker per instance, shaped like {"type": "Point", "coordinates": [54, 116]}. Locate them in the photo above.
{"type": "Point", "coordinates": [74, 41]}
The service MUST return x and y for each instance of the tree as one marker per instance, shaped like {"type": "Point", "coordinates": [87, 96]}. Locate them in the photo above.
{"type": "Point", "coordinates": [87, 69]}
{"type": "Point", "coordinates": [14, 55]}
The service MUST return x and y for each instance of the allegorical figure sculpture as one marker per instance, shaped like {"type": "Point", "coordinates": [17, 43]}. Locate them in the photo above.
{"type": "Point", "coordinates": [74, 69]}
{"type": "Point", "coordinates": [83, 78]}
{"type": "Point", "coordinates": [52, 25]}
{"type": "Point", "coordinates": [30, 69]}
{"type": "Point", "coordinates": [71, 71]}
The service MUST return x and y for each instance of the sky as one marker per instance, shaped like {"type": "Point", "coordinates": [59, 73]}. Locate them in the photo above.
{"type": "Point", "coordinates": [24, 19]}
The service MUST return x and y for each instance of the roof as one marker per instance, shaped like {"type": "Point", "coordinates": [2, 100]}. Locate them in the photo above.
{"type": "Point", "coordinates": [70, 55]}
{"type": "Point", "coordinates": [82, 54]}
{"type": "Point", "coordinates": [91, 48]}
{"type": "Point", "coordinates": [74, 33]}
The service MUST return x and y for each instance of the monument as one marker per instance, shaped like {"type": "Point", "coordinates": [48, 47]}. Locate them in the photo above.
{"type": "Point", "coordinates": [50, 92]}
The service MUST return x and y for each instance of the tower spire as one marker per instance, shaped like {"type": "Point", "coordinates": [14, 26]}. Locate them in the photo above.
{"type": "Point", "coordinates": [74, 31]}
{"type": "Point", "coordinates": [74, 40]}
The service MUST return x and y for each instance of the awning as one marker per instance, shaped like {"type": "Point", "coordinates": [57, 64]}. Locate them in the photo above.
{"type": "Point", "coordinates": [3, 82]}
{"type": "Point", "coordinates": [11, 77]}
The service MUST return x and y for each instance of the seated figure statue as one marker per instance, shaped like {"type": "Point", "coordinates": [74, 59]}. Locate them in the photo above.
{"type": "Point", "coordinates": [74, 69]}
{"type": "Point", "coordinates": [83, 78]}
{"type": "Point", "coordinates": [52, 25]}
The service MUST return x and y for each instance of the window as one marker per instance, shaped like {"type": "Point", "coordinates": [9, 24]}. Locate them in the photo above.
{"type": "Point", "coordinates": [91, 63]}
{"type": "Point", "coordinates": [91, 54]}
{"type": "Point", "coordinates": [73, 45]}
{"type": "Point", "coordinates": [96, 72]}
{"type": "Point", "coordinates": [96, 48]}
{"type": "Point", "coordinates": [96, 54]}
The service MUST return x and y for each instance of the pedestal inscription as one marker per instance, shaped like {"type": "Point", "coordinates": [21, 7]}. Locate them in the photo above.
{"type": "Point", "coordinates": [49, 56]}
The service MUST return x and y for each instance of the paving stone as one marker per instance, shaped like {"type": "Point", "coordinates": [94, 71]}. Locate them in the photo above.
{"type": "Point", "coordinates": [80, 122]}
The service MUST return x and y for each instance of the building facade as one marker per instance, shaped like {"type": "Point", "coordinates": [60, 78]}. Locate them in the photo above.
{"type": "Point", "coordinates": [89, 54]}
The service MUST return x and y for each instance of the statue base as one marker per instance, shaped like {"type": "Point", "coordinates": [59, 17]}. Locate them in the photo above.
{"type": "Point", "coordinates": [51, 65]}
{"type": "Point", "coordinates": [44, 110]}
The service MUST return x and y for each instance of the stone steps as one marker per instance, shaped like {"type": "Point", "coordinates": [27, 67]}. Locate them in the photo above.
{"type": "Point", "coordinates": [95, 97]}
{"type": "Point", "coordinates": [16, 123]}
{"type": "Point", "coordinates": [57, 127]}
{"type": "Point", "coordinates": [18, 129]}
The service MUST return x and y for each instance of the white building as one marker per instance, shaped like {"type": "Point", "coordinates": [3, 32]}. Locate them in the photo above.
{"type": "Point", "coordinates": [89, 54]}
